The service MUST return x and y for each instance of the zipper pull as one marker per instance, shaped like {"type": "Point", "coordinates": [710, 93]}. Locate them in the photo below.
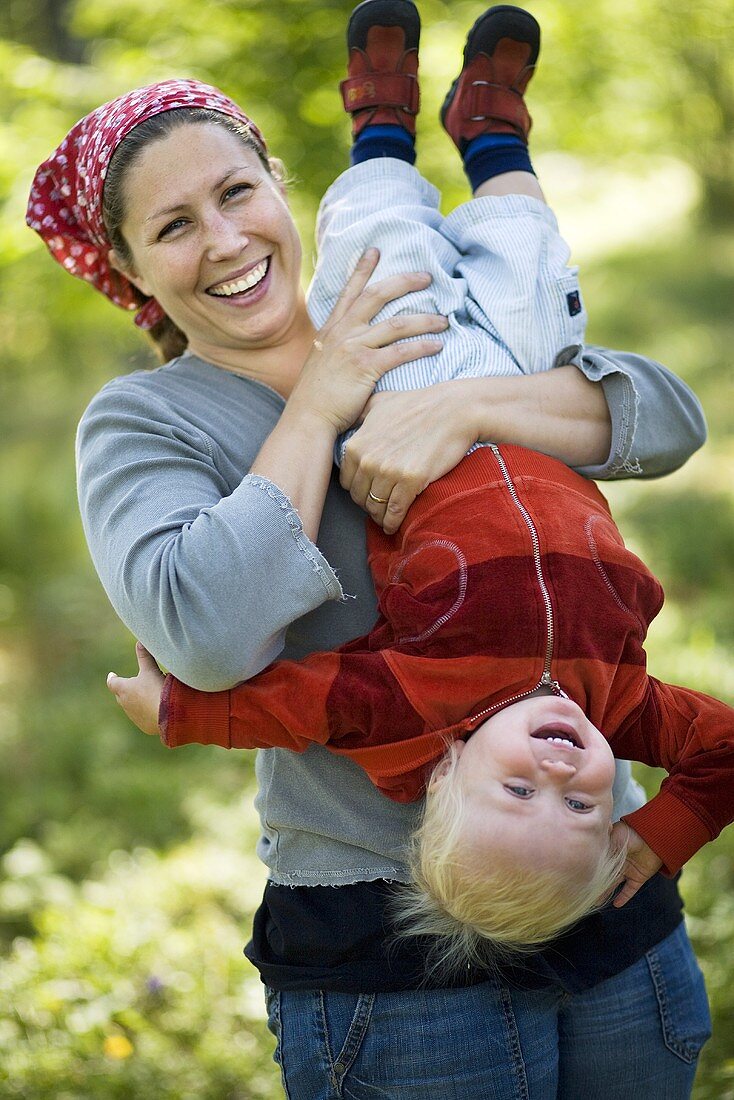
{"type": "Point", "coordinates": [546, 680]}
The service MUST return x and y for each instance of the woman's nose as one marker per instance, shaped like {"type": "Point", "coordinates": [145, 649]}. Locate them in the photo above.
{"type": "Point", "coordinates": [560, 770]}
{"type": "Point", "coordinates": [224, 238]}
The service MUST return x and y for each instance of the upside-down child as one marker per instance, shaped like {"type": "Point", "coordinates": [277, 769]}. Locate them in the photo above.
{"type": "Point", "coordinates": [506, 669]}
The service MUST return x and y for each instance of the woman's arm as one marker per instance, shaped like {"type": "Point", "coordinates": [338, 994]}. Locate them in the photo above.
{"type": "Point", "coordinates": [205, 562]}
{"type": "Point", "coordinates": [657, 421]}
{"type": "Point", "coordinates": [621, 415]}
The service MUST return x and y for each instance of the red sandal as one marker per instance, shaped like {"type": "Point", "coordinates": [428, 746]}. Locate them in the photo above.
{"type": "Point", "coordinates": [382, 85]}
{"type": "Point", "coordinates": [499, 59]}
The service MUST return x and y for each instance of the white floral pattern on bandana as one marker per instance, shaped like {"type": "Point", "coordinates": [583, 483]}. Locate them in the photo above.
{"type": "Point", "coordinates": [65, 205]}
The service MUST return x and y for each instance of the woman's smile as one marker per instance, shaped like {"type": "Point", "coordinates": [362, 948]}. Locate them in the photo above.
{"type": "Point", "coordinates": [242, 282]}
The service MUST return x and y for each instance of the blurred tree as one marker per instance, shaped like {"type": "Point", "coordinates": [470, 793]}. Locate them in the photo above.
{"type": "Point", "coordinates": [622, 82]}
{"type": "Point", "coordinates": [42, 24]}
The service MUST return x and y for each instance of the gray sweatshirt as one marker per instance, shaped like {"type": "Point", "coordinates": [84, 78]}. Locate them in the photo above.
{"type": "Point", "coordinates": [209, 567]}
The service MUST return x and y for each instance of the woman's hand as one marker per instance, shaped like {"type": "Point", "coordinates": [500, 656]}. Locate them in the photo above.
{"type": "Point", "coordinates": [140, 696]}
{"type": "Point", "coordinates": [641, 863]}
{"type": "Point", "coordinates": [350, 354]}
{"type": "Point", "coordinates": [406, 441]}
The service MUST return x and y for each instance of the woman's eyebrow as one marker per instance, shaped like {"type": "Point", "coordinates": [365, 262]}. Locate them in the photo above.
{"type": "Point", "coordinates": [180, 206]}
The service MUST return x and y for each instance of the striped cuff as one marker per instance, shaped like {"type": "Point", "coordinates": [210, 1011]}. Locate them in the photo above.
{"type": "Point", "coordinates": [190, 717]}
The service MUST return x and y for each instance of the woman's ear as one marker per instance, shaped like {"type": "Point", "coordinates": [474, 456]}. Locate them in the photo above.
{"type": "Point", "coordinates": [114, 260]}
{"type": "Point", "coordinates": [277, 171]}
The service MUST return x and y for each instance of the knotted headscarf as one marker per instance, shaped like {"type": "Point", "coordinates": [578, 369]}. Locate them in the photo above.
{"type": "Point", "coordinates": [65, 204]}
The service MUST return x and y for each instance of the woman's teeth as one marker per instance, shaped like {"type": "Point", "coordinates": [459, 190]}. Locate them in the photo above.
{"type": "Point", "coordinates": [239, 286]}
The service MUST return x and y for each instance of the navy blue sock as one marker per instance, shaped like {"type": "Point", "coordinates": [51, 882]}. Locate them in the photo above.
{"type": "Point", "coordinates": [492, 154]}
{"type": "Point", "coordinates": [383, 141]}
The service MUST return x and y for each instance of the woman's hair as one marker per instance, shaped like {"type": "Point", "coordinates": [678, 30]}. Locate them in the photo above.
{"type": "Point", "coordinates": [169, 340]}
{"type": "Point", "coordinates": [474, 912]}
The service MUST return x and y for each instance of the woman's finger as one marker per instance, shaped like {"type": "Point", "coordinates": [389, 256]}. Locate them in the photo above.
{"type": "Point", "coordinates": [358, 472]}
{"type": "Point", "coordinates": [627, 892]}
{"type": "Point", "coordinates": [354, 286]}
{"type": "Point", "coordinates": [404, 327]}
{"type": "Point", "coordinates": [385, 494]}
{"type": "Point", "coordinates": [115, 683]}
{"type": "Point", "coordinates": [397, 507]}
{"type": "Point", "coordinates": [406, 352]}
{"type": "Point", "coordinates": [389, 507]}
{"type": "Point", "coordinates": [146, 660]}
{"type": "Point", "coordinates": [361, 303]}
{"type": "Point", "coordinates": [376, 499]}
{"type": "Point", "coordinates": [371, 299]}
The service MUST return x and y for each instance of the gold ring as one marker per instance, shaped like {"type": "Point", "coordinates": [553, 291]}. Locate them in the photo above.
{"type": "Point", "coordinates": [377, 500]}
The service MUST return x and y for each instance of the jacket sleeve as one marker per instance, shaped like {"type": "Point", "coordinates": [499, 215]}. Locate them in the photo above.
{"type": "Point", "coordinates": [657, 421]}
{"type": "Point", "coordinates": [207, 577]}
{"type": "Point", "coordinates": [284, 707]}
{"type": "Point", "coordinates": [691, 735]}
{"type": "Point", "coordinates": [293, 704]}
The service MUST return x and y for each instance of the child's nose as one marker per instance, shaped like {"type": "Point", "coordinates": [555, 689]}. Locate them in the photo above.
{"type": "Point", "coordinates": [558, 769]}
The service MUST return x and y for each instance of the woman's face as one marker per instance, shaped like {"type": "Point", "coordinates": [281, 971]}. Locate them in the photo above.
{"type": "Point", "coordinates": [213, 240]}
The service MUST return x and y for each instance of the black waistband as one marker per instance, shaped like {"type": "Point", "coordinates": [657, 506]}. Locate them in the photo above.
{"type": "Point", "coordinates": [338, 939]}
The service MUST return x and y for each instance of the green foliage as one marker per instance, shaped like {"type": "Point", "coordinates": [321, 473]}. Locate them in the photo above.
{"type": "Point", "coordinates": [134, 984]}
{"type": "Point", "coordinates": [123, 893]}
{"type": "Point", "coordinates": [709, 891]}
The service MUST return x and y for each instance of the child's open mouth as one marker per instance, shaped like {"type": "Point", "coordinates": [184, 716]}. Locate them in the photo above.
{"type": "Point", "coordinates": [558, 735]}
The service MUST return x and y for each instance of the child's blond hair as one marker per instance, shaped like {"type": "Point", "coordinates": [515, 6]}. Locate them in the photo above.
{"type": "Point", "coordinates": [476, 911]}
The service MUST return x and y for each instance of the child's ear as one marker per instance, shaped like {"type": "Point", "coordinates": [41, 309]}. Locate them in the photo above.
{"type": "Point", "coordinates": [444, 765]}
{"type": "Point", "coordinates": [115, 261]}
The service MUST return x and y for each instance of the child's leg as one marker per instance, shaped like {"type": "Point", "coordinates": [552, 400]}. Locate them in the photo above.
{"type": "Point", "coordinates": [513, 259]}
{"type": "Point", "coordinates": [383, 202]}
{"type": "Point", "coordinates": [386, 204]}
{"type": "Point", "coordinates": [519, 284]}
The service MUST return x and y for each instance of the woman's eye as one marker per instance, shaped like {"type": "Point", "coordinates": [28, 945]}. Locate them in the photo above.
{"type": "Point", "coordinates": [519, 792]}
{"type": "Point", "coordinates": [171, 228]}
{"type": "Point", "coordinates": [576, 805]}
{"type": "Point", "coordinates": [236, 189]}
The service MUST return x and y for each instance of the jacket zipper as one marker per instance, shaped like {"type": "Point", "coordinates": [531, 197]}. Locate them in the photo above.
{"type": "Point", "coordinates": [546, 680]}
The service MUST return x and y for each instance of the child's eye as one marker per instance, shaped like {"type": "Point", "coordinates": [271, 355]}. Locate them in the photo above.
{"type": "Point", "coordinates": [576, 805]}
{"type": "Point", "coordinates": [520, 792]}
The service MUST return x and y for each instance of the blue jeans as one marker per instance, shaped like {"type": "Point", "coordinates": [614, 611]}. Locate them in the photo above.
{"type": "Point", "coordinates": [635, 1035]}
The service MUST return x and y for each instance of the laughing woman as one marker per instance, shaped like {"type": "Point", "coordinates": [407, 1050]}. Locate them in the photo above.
{"type": "Point", "coordinates": [224, 539]}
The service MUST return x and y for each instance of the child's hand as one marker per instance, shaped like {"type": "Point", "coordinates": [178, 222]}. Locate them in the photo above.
{"type": "Point", "coordinates": [640, 865]}
{"type": "Point", "coordinates": [140, 696]}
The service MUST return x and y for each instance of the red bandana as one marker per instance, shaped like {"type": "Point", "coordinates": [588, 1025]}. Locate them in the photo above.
{"type": "Point", "coordinates": [65, 204]}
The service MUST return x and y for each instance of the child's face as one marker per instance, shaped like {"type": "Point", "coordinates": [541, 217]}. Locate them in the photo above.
{"type": "Point", "coordinates": [538, 777]}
